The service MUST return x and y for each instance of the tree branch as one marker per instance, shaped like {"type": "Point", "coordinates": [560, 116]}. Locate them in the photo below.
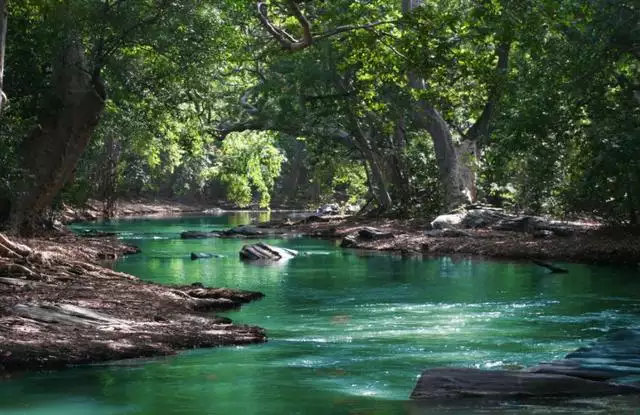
{"type": "Point", "coordinates": [479, 131]}
{"type": "Point", "coordinates": [350, 28]}
{"type": "Point", "coordinates": [290, 43]}
{"type": "Point", "coordinates": [286, 40]}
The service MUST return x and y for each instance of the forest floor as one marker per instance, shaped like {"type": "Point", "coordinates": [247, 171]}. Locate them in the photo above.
{"type": "Point", "coordinates": [60, 306]}
{"type": "Point", "coordinates": [587, 243]}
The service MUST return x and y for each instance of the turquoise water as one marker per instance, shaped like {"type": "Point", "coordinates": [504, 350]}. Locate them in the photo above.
{"type": "Point", "coordinates": [349, 332]}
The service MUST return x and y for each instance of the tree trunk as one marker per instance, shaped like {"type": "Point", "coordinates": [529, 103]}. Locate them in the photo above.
{"type": "Point", "coordinates": [51, 153]}
{"type": "Point", "coordinates": [457, 191]}
{"type": "Point", "coordinates": [396, 164]}
{"type": "Point", "coordinates": [3, 40]}
{"type": "Point", "coordinates": [361, 140]}
{"type": "Point", "coordinates": [109, 176]}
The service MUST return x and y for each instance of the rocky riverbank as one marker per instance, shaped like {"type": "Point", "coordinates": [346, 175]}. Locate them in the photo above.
{"type": "Point", "coordinates": [520, 238]}
{"type": "Point", "coordinates": [60, 306]}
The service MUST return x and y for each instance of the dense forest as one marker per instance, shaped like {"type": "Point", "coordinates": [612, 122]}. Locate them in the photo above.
{"type": "Point", "coordinates": [408, 108]}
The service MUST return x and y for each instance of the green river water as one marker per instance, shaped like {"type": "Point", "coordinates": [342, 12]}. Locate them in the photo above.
{"type": "Point", "coordinates": [349, 332]}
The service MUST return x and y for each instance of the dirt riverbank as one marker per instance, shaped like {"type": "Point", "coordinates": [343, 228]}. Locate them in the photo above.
{"type": "Point", "coordinates": [60, 306]}
{"type": "Point", "coordinates": [588, 243]}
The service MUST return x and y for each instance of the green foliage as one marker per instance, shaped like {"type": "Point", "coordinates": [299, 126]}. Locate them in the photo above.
{"type": "Point", "coordinates": [181, 77]}
{"type": "Point", "coordinates": [425, 188]}
{"type": "Point", "coordinates": [248, 163]}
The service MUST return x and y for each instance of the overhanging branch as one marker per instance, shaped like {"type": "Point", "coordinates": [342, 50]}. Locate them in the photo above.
{"type": "Point", "coordinates": [290, 43]}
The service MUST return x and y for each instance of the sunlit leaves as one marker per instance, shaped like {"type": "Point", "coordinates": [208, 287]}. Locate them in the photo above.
{"type": "Point", "coordinates": [248, 163]}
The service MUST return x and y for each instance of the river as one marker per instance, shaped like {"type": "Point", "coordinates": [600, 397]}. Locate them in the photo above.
{"type": "Point", "coordinates": [349, 332]}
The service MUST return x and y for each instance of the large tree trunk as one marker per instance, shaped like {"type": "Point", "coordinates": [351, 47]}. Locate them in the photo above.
{"type": "Point", "coordinates": [3, 41]}
{"type": "Point", "coordinates": [457, 187]}
{"type": "Point", "coordinates": [51, 153]}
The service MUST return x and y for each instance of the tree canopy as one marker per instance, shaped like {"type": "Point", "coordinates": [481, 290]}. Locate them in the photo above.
{"type": "Point", "coordinates": [410, 107]}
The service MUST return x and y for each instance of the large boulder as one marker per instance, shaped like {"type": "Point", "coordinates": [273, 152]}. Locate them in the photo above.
{"type": "Point", "coordinates": [263, 252]}
{"type": "Point", "coordinates": [483, 217]}
{"type": "Point", "coordinates": [455, 383]}
{"type": "Point", "coordinates": [328, 209]}
{"type": "Point", "coordinates": [448, 221]}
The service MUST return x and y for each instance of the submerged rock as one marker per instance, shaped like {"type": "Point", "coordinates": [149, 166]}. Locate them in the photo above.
{"type": "Point", "coordinates": [454, 383]}
{"type": "Point", "coordinates": [263, 252]}
{"type": "Point", "coordinates": [198, 235]}
{"type": "Point", "coordinates": [204, 255]}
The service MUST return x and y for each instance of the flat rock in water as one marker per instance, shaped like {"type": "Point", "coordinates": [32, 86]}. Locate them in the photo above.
{"type": "Point", "coordinates": [454, 383]}
{"type": "Point", "coordinates": [614, 356]}
{"type": "Point", "coordinates": [263, 252]}
{"type": "Point", "coordinates": [198, 235]}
